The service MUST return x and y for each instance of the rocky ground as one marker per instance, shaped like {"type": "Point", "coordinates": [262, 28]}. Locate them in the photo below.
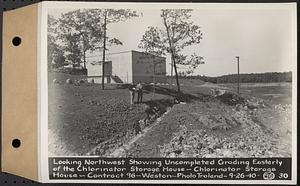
{"type": "Point", "coordinates": [207, 120]}
{"type": "Point", "coordinates": [221, 126]}
{"type": "Point", "coordinates": [247, 136]}
{"type": "Point", "coordinates": [83, 117]}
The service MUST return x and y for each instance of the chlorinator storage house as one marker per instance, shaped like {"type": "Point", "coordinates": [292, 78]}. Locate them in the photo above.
{"type": "Point", "coordinates": [127, 67]}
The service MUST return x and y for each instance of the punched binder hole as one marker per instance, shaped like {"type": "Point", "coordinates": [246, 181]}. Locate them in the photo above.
{"type": "Point", "coordinates": [16, 41]}
{"type": "Point", "coordinates": [16, 143]}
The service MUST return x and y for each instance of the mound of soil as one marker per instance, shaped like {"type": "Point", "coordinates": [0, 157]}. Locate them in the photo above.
{"type": "Point", "coordinates": [251, 141]}
{"type": "Point", "coordinates": [217, 129]}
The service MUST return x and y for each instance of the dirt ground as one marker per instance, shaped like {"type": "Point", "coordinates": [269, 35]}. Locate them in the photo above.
{"type": "Point", "coordinates": [256, 125]}
{"type": "Point", "coordinates": [85, 120]}
{"type": "Point", "coordinates": [83, 116]}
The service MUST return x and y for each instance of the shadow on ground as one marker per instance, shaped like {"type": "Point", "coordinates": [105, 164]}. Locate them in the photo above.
{"type": "Point", "coordinates": [178, 96]}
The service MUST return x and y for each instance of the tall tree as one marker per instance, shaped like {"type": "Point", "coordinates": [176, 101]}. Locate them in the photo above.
{"type": "Point", "coordinates": [74, 53]}
{"type": "Point", "coordinates": [84, 30]}
{"type": "Point", "coordinates": [78, 29]}
{"type": "Point", "coordinates": [110, 16]}
{"type": "Point", "coordinates": [178, 33]}
{"type": "Point", "coordinates": [152, 44]}
{"type": "Point", "coordinates": [55, 52]}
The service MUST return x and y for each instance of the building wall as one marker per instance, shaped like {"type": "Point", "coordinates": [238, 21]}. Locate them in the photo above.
{"type": "Point", "coordinates": [98, 79]}
{"type": "Point", "coordinates": [143, 68]}
{"type": "Point", "coordinates": [129, 67]}
{"type": "Point", "coordinates": [95, 68]}
{"type": "Point", "coordinates": [94, 71]}
{"type": "Point", "coordinates": [121, 66]}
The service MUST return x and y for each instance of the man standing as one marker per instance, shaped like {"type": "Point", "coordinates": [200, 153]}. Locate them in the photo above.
{"type": "Point", "coordinates": [132, 93]}
{"type": "Point", "coordinates": [139, 89]}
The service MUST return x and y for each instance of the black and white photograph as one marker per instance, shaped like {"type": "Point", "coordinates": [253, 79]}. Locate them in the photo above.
{"type": "Point", "coordinates": [164, 81]}
{"type": "Point", "coordinates": [150, 92]}
{"type": "Point", "coordinates": [168, 92]}
{"type": "Point", "coordinates": [155, 82]}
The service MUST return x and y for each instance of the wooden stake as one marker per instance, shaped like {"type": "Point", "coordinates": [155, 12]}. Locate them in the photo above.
{"type": "Point", "coordinates": [238, 74]}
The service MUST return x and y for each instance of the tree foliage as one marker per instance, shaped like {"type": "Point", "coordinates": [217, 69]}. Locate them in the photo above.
{"type": "Point", "coordinates": [267, 77]}
{"type": "Point", "coordinates": [153, 42]}
{"type": "Point", "coordinates": [80, 32]}
{"type": "Point", "coordinates": [55, 52]}
{"type": "Point", "coordinates": [178, 33]}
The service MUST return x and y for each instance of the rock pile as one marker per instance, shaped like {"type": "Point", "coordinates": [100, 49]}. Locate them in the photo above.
{"type": "Point", "coordinates": [253, 142]}
{"type": "Point", "coordinates": [283, 108]}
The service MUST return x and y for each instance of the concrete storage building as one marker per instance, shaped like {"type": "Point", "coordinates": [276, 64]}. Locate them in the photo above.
{"type": "Point", "coordinates": [128, 67]}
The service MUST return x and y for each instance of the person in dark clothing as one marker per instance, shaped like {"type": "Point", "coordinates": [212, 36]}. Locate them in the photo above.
{"type": "Point", "coordinates": [139, 89]}
{"type": "Point", "coordinates": [132, 90]}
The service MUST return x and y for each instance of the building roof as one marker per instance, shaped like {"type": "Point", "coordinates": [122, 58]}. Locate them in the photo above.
{"type": "Point", "coordinates": [127, 51]}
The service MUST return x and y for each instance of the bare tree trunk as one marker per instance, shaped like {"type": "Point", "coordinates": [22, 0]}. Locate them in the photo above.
{"type": "Point", "coordinates": [172, 53]}
{"type": "Point", "coordinates": [176, 74]}
{"type": "Point", "coordinates": [84, 60]}
{"type": "Point", "coordinates": [104, 47]}
{"type": "Point", "coordinates": [171, 70]}
{"type": "Point", "coordinates": [238, 75]}
{"type": "Point", "coordinates": [172, 66]}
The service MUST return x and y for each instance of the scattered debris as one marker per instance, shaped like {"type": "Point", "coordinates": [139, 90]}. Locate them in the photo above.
{"type": "Point", "coordinates": [55, 81]}
{"type": "Point", "coordinates": [82, 81]}
{"type": "Point", "coordinates": [69, 81]}
{"type": "Point", "coordinates": [252, 142]}
{"type": "Point", "coordinates": [217, 92]}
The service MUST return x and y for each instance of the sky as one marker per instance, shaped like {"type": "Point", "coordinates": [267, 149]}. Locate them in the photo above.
{"type": "Point", "coordinates": [264, 36]}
